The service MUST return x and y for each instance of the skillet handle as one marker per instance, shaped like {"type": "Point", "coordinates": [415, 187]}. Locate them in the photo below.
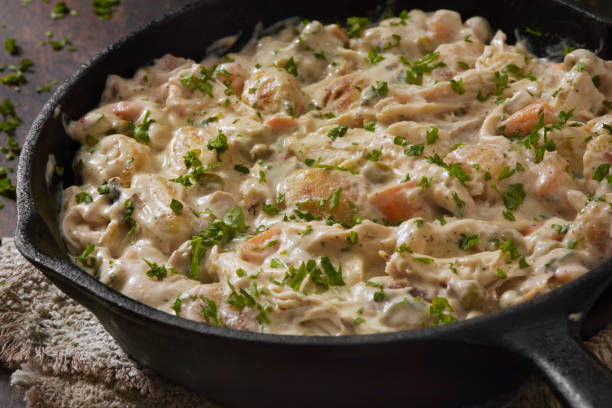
{"type": "Point", "coordinates": [578, 378]}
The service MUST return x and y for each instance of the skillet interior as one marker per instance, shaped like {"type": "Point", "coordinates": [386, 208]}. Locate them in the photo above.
{"type": "Point", "coordinates": [430, 367]}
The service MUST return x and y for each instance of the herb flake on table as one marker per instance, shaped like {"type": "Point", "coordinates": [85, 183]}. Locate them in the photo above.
{"type": "Point", "coordinates": [60, 10]}
{"type": "Point", "coordinates": [10, 45]}
{"type": "Point", "coordinates": [104, 8]}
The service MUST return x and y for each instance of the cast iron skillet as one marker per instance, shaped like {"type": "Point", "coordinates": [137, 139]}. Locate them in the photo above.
{"type": "Point", "coordinates": [448, 365]}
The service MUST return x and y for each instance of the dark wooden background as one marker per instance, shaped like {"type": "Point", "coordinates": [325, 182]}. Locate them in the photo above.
{"type": "Point", "coordinates": [28, 24]}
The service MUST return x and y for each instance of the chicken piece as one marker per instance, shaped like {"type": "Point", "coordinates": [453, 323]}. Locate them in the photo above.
{"type": "Point", "coordinates": [118, 156]}
{"type": "Point", "coordinates": [273, 91]}
{"type": "Point", "coordinates": [232, 75]}
{"type": "Point", "coordinates": [261, 246]}
{"type": "Point", "coordinates": [402, 202]}
{"type": "Point", "coordinates": [342, 93]}
{"type": "Point", "coordinates": [324, 192]}
{"type": "Point", "coordinates": [527, 118]}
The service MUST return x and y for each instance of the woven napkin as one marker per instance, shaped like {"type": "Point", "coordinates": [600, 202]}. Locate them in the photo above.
{"type": "Point", "coordinates": [63, 357]}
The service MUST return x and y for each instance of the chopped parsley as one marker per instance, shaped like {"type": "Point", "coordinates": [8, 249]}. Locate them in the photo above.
{"type": "Point", "coordinates": [457, 86]}
{"type": "Point", "coordinates": [184, 180]}
{"type": "Point", "coordinates": [85, 254]}
{"type": "Point", "coordinates": [141, 131]}
{"type": "Point", "coordinates": [561, 229]}
{"type": "Point", "coordinates": [510, 249]}
{"type": "Point", "coordinates": [277, 263]}
{"type": "Point", "coordinates": [501, 274]}
{"type": "Point", "coordinates": [381, 88]}
{"type": "Point", "coordinates": [468, 242]}
{"type": "Point", "coordinates": [601, 172]}
{"type": "Point", "coordinates": [334, 199]}
{"type": "Point", "coordinates": [290, 67]}
{"type": "Point", "coordinates": [269, 209]}
{"type": "Point", "coordinates": [59, 45]}
{"type": "Point", "coordinates": [295, 277]}
{"type": "Point", "coordinates": [459, 205]}
{"type": "Point", "coordinates": [404, 248]}
{"type": "Point", "coordinates": [219, 144]}
{"type": "Point", "coordinates": [358, 320]}
{"type": "Point", "coordinates": [514, 196]}
{"type": "Point", "coordinates": [423, 259]}
{"type": "Point", "coordinates": [219, 232]}
{"type": "Point", "coordinates": [46, 87]}
{"type": "Point", "coordinates": [374, 155]}
{"type": "Point", "coordinates": [10, 45]}
{"type": "Point", "coordinates": [240, 300]}
{"type": "Point", "coordinates": [437, 311]}
{"type": "Point", "coordinates": [7, 188]}
{"type": "Point", "coordinates": [395, 43]}
{"type": "Point", "coordinates": [506, 172]}
{"type": "Point", "coordinates": [354, 26]}
{"type": "Point", "coordinates": [201, 83]}
{"type": "Point", "coordinates": [414, 150]}
{"type": "Point", "coordinates": [129, 210]}
{"type": "Point", "coordinates": [574, 243]}
{"type": "Point", "coordinates": [370, 126]}
{"type": "Point", "coordinates": [418, 68]}
{"type": "Point", "coordinates": [177, 305]}
{"type": "Point", "coordinates": [209, 311]}
{"type": "Point", "coordinates": [379, 295]}
{"type": "Point", "coordinates": [517, 72]}
{"type": "Point", "coordinates": [353, 237]}
{"type": "Point", "coordinates": [262, 316]}
{"type": "Point", "coordinates": [156, 271]}
{"type": "Point", "coordinates": [320, 55]}
{"type": "Point", "coordinates": [337, 132]}
{"type": "Point", "coordinates": [533, 31]}
{"type": "Point", "coordinates": [373, 56]}
{"type": "Point", "coordinates": [176, 206]}
{"type": "Point", "coordinates": [425, 183]}
{"type": "Point", "coordinates": [432, 134]}
{"type": "Point", "coordinates": [60, 10]}
{"type": "Point", "coordinates": [242, 169]}
{"type": "Point", "coordinates": [191, 158]}
{"type": "Point", "coordinates": [453, 169]}
{"type": "Point", "coordinates": [104, 8]}
{"type": "Point", "coordinates": [334, 275]}
{"type": "Point", "coordinates": [17, 77]}
{"type": "Point", "coordinates": [83, 198]}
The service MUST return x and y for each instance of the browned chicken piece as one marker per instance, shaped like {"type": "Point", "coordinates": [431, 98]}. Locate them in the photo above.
{"type": "Point", "coordinates": [273, 91]}
{"type": "Point", "coordinates": [312, 190]}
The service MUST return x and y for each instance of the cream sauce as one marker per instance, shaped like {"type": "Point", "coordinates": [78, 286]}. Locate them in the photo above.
{"type": "Point", "coordinates": [417, 173]}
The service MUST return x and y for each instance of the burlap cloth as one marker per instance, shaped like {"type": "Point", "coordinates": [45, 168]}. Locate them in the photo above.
{"type": "Point", "coordinates": [62, 356]}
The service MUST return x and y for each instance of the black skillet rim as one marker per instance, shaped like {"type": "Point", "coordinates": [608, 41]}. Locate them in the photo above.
{"type": "Point", "coordinates": [26, 216]}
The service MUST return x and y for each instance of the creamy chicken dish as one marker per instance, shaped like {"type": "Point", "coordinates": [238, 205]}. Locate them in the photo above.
{"type": "Point", "coordinates": [336, 180]}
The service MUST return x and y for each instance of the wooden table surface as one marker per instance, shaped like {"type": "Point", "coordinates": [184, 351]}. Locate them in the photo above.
{"type": "Point", "coordinates": [29, 23]}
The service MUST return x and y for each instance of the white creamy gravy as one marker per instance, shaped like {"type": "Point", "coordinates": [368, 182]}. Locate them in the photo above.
{"type": "Point", "coordinates": [328, 182]}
